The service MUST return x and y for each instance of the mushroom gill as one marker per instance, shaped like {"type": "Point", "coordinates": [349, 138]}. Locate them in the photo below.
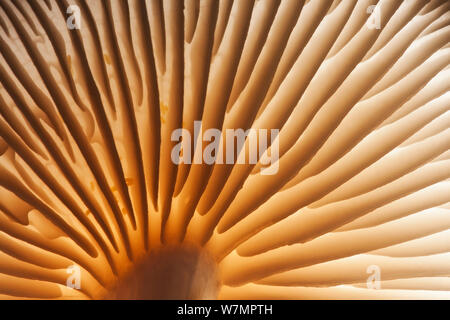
{"type": "Point", "coordinates": [91, 93]}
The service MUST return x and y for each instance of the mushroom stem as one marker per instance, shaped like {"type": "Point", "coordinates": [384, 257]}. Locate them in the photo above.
{"type": "Point", "coordinates": [171, 272]}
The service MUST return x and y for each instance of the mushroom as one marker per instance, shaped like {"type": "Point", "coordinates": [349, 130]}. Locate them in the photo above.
{"type": "Point", "coordinates": [93, 206]}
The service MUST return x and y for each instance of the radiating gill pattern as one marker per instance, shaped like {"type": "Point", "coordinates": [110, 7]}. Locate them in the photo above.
{"type": "Point", "coordinates": [87, 113]}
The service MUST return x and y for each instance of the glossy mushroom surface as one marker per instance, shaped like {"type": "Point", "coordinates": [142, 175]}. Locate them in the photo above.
{"type": "Point", "coordinates": [93, 206]}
